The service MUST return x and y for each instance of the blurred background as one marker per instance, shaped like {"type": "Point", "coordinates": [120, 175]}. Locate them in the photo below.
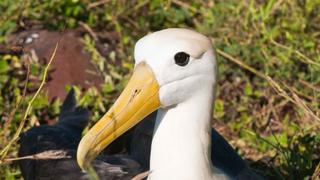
{"type": "Point", "coordinates": [268, 51]}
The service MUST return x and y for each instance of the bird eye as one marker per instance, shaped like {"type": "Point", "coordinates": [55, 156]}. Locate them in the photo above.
{"type": "Point", "coordinates": [181, 58]}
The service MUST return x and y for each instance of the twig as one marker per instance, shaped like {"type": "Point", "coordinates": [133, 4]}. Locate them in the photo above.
{"type": "Point", "coordinates": [299, 93]}
{"type": "Point", "coordinates": [90, 31]}
{"type": "Point", "coordinates": [98, 3]}
{"type": "Point", "coordinates": [184, 5]}
{"type": "Point", "coordinates": [309, 85]}
{"type": "Point", "coordinates": [241, 64]}
{"type": "Point", "coordinates": [134, 9]}
{"type": "Point", "coordinates": [296, 100]}
{"type": "Point", "coordinates": [303, 105]}
{"type": "Point", "coordinates": [134, 23]}
{"type": "Point", "coordinates": [141, 175]}
{"type": "Point", "coordinates": [304, 59]}
{"type": "Point", "coordinates": [276, 6]}
{"type": "Point", "coordinates": [45, 155]}
{"type": "Point", "coordinates": [16, 135]}
{"type": "Point", "coordinates": [12, 113]}
{"type": "Point", "coordinates": [316, 173]}
{"type": "Point", "coordinates": [17, 50]}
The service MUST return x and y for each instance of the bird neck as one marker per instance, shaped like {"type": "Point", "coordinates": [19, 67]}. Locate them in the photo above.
{"type": "Point", "coordinates": [181, 144]}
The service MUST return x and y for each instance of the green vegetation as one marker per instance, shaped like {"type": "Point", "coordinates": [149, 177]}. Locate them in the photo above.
{"type": "Point", "coordinates": [269, 70]}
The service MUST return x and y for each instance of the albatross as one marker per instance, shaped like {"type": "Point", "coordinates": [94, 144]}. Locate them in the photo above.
{"type": "Point", "coordinates": [175, 72]}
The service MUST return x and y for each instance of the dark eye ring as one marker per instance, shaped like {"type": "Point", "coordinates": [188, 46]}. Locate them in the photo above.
{"type": "Point", "coordinates": [181, 58]}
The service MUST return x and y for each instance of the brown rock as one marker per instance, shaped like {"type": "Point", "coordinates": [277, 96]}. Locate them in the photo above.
{"type": "Point", "coordinates": [72, 64]}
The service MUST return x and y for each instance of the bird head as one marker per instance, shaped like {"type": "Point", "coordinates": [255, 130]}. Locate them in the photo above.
{"type": "Point", "coordinates": [170, 66]}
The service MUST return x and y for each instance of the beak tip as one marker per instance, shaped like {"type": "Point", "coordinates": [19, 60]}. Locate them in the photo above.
{"type": "Point", "coordinates": [80, 162]}
{"type": "Point", "coordinates": [81, 156]}
{"type": "Point", "coordinates": [85, 151]}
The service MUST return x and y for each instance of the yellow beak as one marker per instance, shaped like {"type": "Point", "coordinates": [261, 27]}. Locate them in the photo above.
{"type": "Point", "coordinates": [139, 98]}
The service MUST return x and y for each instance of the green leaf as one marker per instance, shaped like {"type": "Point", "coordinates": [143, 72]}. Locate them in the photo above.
{"type": "Point", "coordinates": [219, 108]}
{"type": "Point", "coordinates": [4, 67]}
{"type": "Point", "coordinates": [248, 89]}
